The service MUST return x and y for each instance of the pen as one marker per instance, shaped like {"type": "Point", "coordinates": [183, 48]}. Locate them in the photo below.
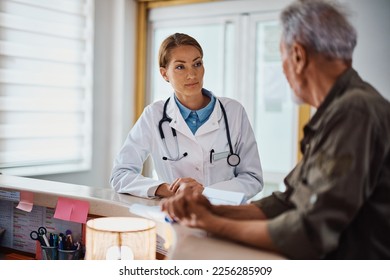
{"type": "Point", "coordinates": [68, 240]}
{"type": "Point", "coordinates": [55, 240]}
{"type": "Point", "coordinates": [46, 241]}
{"type": "Point", "coordinates": [60, 243]}
{"type": "Point", "coordinates": [51, 240]}
{"type": "Point", "coordinates": [211, 155]}
{"type": "Point", "coordinates": [169, 220]}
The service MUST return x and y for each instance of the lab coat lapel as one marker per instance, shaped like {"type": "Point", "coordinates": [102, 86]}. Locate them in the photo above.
{"type": "Point", "coordinates": [213, 122]}
{"type": "Point", "coordinates": [178, 121]}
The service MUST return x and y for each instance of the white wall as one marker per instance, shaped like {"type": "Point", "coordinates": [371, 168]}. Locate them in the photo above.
{"type": "Point", "coordinates": [372, 54]}
{"type": "Point", "coordinates": [114, 74]}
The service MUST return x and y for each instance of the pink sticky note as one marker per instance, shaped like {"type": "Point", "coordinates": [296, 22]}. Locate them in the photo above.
{"type": "Point", "coordinates": [26, 201]}
{"type": "Point", "coordinates": [71, 210]}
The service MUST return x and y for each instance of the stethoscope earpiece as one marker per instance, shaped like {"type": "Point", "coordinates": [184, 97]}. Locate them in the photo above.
{"type": "Point", "coordinates": [177, 158]}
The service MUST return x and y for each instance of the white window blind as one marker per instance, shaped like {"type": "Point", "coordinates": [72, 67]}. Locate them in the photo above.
{"type": "Point", "coordinates": [46, 60]}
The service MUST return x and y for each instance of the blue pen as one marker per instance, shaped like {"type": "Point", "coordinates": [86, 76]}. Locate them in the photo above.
{"type": "Point", "coordinates": [55, 240]}
{"type": "Point", "coordinates": [60, 243]}
{"type": "Point", "coordinates": [169, 220]}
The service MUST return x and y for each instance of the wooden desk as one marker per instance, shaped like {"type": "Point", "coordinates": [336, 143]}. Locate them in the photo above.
{"type": "Point", "coordinates": [184, 243]}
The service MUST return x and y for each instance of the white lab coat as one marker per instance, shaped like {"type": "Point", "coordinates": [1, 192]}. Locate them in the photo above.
{"type": "Point", "coordinates": [144, 140]}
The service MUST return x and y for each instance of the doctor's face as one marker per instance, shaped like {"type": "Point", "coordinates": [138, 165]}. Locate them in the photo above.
{"type": "Point", "coordinates": [185, 71]}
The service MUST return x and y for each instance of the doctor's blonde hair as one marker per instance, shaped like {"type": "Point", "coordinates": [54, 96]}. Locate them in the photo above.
{"type": "Point", "coordinates": [174, 41]}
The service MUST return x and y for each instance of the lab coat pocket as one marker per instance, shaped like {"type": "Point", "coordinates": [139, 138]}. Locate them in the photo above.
{"type": "Point", "coordinates": [180, 168]}
{"type": "Point", "coordinates": [220, 170]}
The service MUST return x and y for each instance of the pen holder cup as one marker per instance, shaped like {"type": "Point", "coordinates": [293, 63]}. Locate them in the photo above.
{"type": "Point", "coordinates": [49, 253]}
{"type": "Point", "coordinates": [69, 254]}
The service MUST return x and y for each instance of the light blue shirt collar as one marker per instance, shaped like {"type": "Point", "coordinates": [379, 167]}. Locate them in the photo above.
{"type": "Point", "coordinates": [201, 115]}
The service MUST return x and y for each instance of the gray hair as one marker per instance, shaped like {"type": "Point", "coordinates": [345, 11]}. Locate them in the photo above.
{"type": "Point", "coordinates": [320, 26]}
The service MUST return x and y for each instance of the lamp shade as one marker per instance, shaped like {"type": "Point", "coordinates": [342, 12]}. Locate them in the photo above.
{"type": "Point", "coordinates": [120, 238]}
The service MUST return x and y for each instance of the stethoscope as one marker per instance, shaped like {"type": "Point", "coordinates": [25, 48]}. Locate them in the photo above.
{"type": "Point", "coordinates": [233, 159]}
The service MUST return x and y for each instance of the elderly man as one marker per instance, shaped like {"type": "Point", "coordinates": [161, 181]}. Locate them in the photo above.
{"type": "Point", "coordinates": [337, 199]}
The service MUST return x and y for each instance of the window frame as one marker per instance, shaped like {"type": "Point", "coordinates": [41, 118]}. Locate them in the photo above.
{"type": "Point", "coordinates": [145, 8]}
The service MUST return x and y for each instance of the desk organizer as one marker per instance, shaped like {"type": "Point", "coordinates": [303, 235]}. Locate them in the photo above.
{"type": "Point", "coordinates": [53, 253]}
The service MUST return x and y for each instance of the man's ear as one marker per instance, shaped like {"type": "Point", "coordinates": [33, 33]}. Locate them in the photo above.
{"type": "Point", "coordinates": [163, 73]}
{"type": "Point", "coordinates": [299, 57]}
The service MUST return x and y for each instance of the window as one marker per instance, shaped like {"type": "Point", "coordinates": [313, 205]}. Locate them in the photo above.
{"type": "Point", "coordinates": [216, 39]}
{"type": "Point", "coordinates": [275, 115]}
{"type": "Point", "coordinates": [242, 60]}
{"type": "Point", "coordinates": [46, 59]}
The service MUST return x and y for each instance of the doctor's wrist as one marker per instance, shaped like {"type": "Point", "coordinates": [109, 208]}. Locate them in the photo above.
{"type": "Point", "coordinates": [163, 190]}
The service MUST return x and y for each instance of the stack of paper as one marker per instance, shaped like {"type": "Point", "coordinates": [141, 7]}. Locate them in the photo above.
{"type": "Point", "coordinates": [150, 212]}
{"type": "Point", "coordinates": [221, 197]}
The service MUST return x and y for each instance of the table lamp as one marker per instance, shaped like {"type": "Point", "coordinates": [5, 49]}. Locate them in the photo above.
{"type": "Point", "coordinates": [120, 238]}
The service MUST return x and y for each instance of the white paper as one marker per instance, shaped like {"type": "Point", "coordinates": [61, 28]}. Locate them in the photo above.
{"type": "Point", "coordinates": [150, 212]}
{"type": "Point", "coordinates": [218, 197]}
{"type": "Point", "coordinates": [154, 213]}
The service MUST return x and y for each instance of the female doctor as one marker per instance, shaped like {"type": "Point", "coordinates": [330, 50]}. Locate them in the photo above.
{"type": "Point", "coordinates": [195, 139]}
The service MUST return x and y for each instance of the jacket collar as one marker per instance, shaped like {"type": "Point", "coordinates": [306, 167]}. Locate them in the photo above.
{"type": "Point", "coordinates": [337, 90]}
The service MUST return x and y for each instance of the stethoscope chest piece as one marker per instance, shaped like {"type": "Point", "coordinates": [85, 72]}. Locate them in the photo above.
{"type": "Point", "coordinates": [233, 160]}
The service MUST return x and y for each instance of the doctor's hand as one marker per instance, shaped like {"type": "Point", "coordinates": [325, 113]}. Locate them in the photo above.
{"type": "Point", "coordinates": [166, 190]}
{"type": "Point", "coordinates": [189, 208]}
{"type": "Point", "coordinates": [186, 183]}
